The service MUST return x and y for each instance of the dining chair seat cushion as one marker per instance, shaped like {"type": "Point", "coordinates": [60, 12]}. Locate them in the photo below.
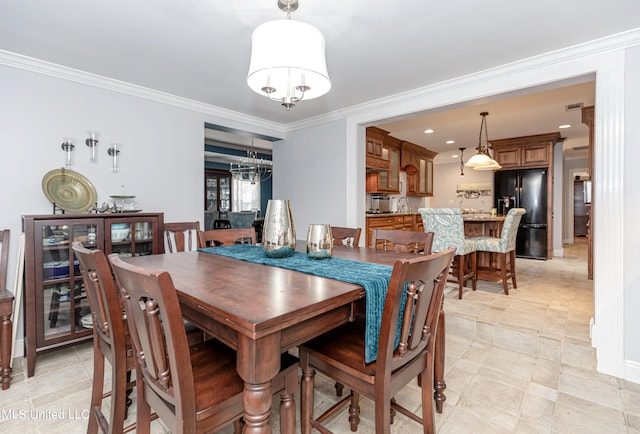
{"type": "Point", "coordinates": [489, 244]}
{"type": "Point", "coordinates": [507, 240]}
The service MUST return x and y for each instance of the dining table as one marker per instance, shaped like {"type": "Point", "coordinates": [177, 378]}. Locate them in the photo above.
{"type": "Point", "coordinates": [262, 311]}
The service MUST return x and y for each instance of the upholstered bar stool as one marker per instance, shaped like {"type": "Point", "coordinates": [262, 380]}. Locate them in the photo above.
{"type": "Point", "coordinates": [448, 229]}
{"type": "Point", "coordinates": [504, 246]}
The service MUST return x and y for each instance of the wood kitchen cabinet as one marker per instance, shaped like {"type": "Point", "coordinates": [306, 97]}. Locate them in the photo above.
{"type": "Point", "coordinates": [56, 308]}
{"type": "Point", "coordinates": [418, 163]}
{"type": "Point", "coordinates": [383, 173]}
{"type": "Point", "coordinates": [526, 151]}
{"type": "Point", "coordinates": [402, 222]}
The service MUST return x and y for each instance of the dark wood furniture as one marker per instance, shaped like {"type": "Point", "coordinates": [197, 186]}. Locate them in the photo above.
{"type": "Point", "coordinates": [339, 353]}
{"type": "Point", "coordinates": [192, 389]}
{"type": "Point", "coordinates": [402, 241]}
{"type": "Point", "coordinates": [526, 152]}
{"type": "Point", "coordinates": [6, 311]}
{"type": "Point", "coordinates": [226, 237]}
{"type": "Point", "coordinates": [392, 221]}
{"type": "Point", "coordinates": [181, 234]}
{"type": "Point", "coordinates": [346, 236]}
{"type": "Point", "coordinates": [55, 299]}
{"type": "Point", "coordinates": [287, 308]}
{"type": "Point", "coordinates": [217, 191]}
{"type": "Point", "coordinates": [111, 341]}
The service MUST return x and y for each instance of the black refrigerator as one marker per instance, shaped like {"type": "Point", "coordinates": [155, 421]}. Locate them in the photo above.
{"type": "Point", "coordinates": [525, 188]}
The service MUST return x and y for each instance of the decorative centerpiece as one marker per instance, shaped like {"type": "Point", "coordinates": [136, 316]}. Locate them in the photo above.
{"type": "Point", "coordinates": [319, 241]}
{"type": "Point", "coordinates": [278, 233]}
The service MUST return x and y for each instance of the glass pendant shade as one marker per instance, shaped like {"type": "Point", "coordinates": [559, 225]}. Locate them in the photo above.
{"type": "Point", "coordinates": [479, 159]}
{"type": "Point", "coordinates": [493, 165]}
{"type": "Point", "coordinates": [288, 62]}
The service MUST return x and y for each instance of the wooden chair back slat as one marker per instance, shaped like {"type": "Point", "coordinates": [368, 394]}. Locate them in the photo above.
{"type": "Point", "coordinates": [181, 236]}
{"type": "Point", "coordinates": [226, 237]}
{"type": "Point", "coordinates": [402, 241]}
{"type": "Point", "coordinates": [345, 236]}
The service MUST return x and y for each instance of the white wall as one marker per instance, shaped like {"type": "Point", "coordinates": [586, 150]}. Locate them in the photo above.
{"type": "Point", "coordinates": [631, 209]}
{"type": "Point", "coordinates": [309, 169]}
{"type": "Point", "coordinates": [162, 155]}
{"type": "Point", "coordinates": [447, 176]}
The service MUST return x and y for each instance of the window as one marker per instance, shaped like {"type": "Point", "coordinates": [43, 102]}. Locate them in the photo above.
{"type": "Point", "coordinates": [246, 195]}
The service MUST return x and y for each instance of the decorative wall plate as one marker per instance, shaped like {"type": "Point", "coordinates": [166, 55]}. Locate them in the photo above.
{"type": "Point", "coordinates": [69, 190]}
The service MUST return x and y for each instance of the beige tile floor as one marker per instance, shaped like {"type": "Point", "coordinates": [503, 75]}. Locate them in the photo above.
{"type": "Point", "coordinates": [519, 363]}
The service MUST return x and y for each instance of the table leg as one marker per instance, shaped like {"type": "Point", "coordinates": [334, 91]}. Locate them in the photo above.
{"type": "Point", "coordinates": [438, 375]}
{"type": "Point", "coordinates": [258, 363]}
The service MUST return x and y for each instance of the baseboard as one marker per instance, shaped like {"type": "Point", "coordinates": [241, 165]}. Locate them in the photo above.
{"type": "Point", "coordinates": [632, 371]}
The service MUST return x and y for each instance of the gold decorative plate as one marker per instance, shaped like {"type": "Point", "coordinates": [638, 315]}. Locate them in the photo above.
{"type": "Point", "coordinates": [69, 190]}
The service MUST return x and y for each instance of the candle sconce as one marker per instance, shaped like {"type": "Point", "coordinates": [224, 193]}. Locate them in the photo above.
{"type": "Point", "coordinates": [114, 152]}
{"type": "Point", "coordinates": [67, 147]}
{"type": "Point", "coordinates": [92, 143]}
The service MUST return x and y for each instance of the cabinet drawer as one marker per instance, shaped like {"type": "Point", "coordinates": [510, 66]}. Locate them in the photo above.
{"type": "Point", "coordinates": [378, 222]}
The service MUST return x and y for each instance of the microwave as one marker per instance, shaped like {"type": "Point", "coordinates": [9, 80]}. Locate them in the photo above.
{"type": "Point", "coordinates": [380, 203]}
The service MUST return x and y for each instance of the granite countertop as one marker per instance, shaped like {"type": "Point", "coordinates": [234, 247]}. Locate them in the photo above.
{"type": "Point", "coordinates": [482, 218]}
{"type": "Point", "coordinates": [390, 214]}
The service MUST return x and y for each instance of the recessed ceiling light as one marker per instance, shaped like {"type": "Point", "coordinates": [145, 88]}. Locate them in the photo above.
{"type": "Point", "coordinates": [428, 131]}
{"type": "Point", "coordinates": [450, 142]}
{"type": "Point", "coordinates": [565, 126]}
{"type": "Point", "coordinates": [455, 156]}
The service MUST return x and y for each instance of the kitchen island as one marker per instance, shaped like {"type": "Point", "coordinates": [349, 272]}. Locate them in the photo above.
{"type": "Point", "coordinates": [392, 220]}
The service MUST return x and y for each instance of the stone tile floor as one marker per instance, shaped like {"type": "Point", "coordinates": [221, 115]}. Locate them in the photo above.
{"type": "Point", "coordinates": [520, 363]}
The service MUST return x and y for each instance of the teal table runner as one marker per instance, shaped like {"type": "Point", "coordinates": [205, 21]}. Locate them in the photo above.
{"type": "Point", "coordinates": [374, 278]}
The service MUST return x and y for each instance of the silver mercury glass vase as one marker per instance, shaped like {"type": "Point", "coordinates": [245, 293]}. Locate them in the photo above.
{"type": "Point", "coordinates": [278, 233]}
{"type": "Point", "coordinates": [319, 241]}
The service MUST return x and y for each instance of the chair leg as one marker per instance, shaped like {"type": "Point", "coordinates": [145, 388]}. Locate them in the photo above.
{"type": "Point", "coordinates": [287, 404]}
{"type": "Point", "coordinates": [474, 269]}
{"type": "Point", "coordinates": [354, 411]}
{"type": "Point", "coordinates": [306, 394]}
{"type": "Point", "coordinates": [118, 394]}
{"type": "Point", "coordinates": [461, 266]}
{"type": "Point", "coordinates": [503, 272]}
{"type": "Point", "coordinates": [512, 255]}
{"type": "Point", "coordinates": [428, 419]}
{"type": "Point", "coordinates": [339, 388]}
{"type": "Point", "coordinates": [143, 411]}
{"type": "Point", "coordinates": [97, 389]}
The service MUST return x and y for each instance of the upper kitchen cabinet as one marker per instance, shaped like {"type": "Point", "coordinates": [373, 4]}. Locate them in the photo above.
{"type": "Point", "coordinates": [418, 163]}
{"type": "Point", "coordinates": [526, 151]}
{"type": "Point", "coordinates": [383, 162]}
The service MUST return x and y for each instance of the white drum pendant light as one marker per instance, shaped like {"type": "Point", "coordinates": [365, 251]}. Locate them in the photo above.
{"type": "Point", "coordinates": [288, 60]}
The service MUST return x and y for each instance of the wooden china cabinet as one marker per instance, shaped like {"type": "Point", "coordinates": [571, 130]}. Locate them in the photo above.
{"type": "Point", "coordinates": [56, 308]}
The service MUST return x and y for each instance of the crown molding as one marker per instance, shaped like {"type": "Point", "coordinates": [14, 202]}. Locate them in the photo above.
{"type": "Point", "coordinates": [38, 66]}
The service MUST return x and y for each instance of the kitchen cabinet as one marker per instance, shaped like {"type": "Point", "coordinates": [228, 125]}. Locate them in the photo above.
{"type": "Point", "coordinates": [56, 308]}
{"type": "Point", "coordinates": [403, 222]}
{"type": "Point", "coordinates": [526, 151]}
{"type": "Point", "coordinates": [383, 174]}
{"type": "Point", "coordinates": [418, 163]}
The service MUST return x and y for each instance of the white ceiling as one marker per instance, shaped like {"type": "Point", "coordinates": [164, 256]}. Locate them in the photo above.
{"type": "Point", "coordinates": [200, 49]}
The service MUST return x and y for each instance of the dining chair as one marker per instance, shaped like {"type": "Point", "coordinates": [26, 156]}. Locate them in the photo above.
{"type": "Point", "coordinates": [448, 229]}
{"type": "Point", "coordinates": [242, 219]}
{"type": "Point", "coordinates": [345, 236]}
{"type": "Point", "coordinates": [226, 237]}
{"type": "Point", "coordinates": [402, 241]}
{"type": "Point", "coordinates": [192, 389]}
{"type": "Point", "coordinates": [403, 352]}
{"type": "Point", "coordinates": [181, 236]}
{"type": "Point", "coordinates": [505, 247]}
{"type": "Point", "coordinates": [111, 341]}
{"type": "Point", "coordinates": [6, 311]}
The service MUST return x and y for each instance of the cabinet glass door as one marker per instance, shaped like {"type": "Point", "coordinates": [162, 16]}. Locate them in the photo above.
{"type": "Point", "coordinates": [64, 310]}
{"type": "Point", "coordinates": [131, 236]}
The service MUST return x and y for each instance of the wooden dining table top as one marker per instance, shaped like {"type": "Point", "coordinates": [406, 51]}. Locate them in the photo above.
{"type": "Point", "coordinates": [255, 299]}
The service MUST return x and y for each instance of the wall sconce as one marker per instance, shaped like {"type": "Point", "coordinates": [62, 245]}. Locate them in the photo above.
{"type": "Point", "coordinates": [92, 142]}
{"type": "Point", "coordinates": [67, 147]}
{"type": "Point", "coordinates": [113, 152]}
